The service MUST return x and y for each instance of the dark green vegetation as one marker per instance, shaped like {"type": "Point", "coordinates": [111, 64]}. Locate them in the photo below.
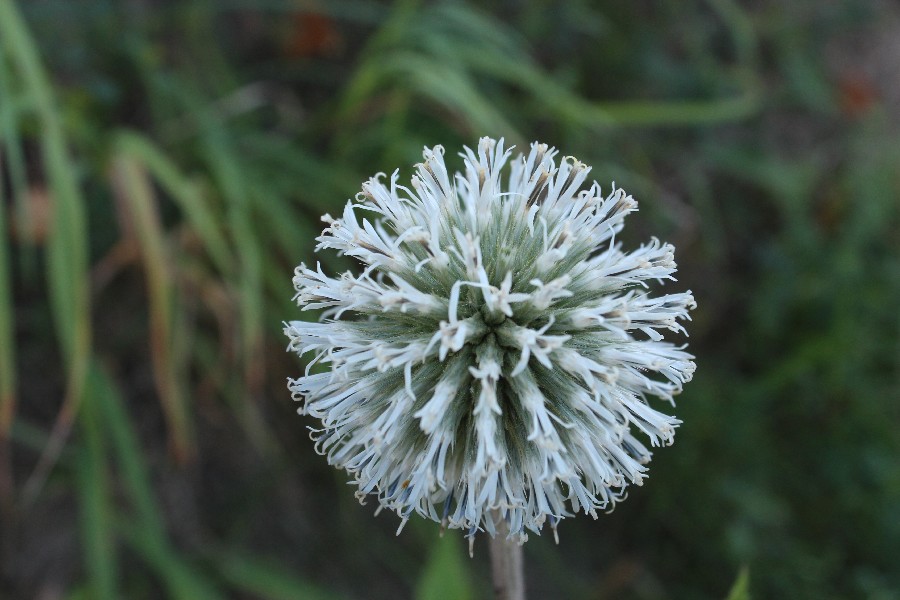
{"type": "Point", "coordinates": [164, 165]}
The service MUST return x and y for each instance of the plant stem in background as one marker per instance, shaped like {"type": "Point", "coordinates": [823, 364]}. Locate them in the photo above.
{"type": "Point", "coordinates": [507, 565]}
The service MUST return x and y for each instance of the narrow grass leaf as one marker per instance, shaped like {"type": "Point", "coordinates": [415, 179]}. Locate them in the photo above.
{"type": "Point", "coordinates": [186, 193]}
{"type": "Point", "coordinates": [67, 247]}
{"type": "Point", "coordinates": [145, 533]}
{"type": "Point", "coordinates": [231, 179]}
{"type": "Point", "coordinates": [452, 88]}
{"type": "Point", "coordinates": [740, 590]}
{"type": "Point", "coordinates": [262, 579]}
{"type": "Point", "coordinates": [95, 505]}
{"type": "Point", "coordinates": [135, 194]}
{"type": "Point", "coordinates": [319, 185]}
{"type": "Point", "coordinates": [14, 162]}
{"type": "Point", "coordinates": [182, 580]}
{"type": "Point", "coordinates": [556, 99]}
{"type": "Point", "coordinates": [7, 339]}
{"type": "Point", "coordinates": [131, 465]}
{"type": "Point", "coordinates": [68, 244]}
{"type": "Point", "coordinates": [449, 46]}
{"type": "Point", "coordinates": [366, 78]}
{"type": "Point", "coordinates": [289, 230]}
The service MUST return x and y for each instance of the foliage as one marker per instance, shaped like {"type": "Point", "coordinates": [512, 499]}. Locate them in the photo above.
{"type": "Point", "coordinates": [163, 165]}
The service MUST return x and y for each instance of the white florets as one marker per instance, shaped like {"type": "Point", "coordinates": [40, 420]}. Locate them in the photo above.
{"type": "Point", "coordinates": [498, 350]}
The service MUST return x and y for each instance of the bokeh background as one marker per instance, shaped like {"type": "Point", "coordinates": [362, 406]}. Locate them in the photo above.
{"type": "Point", "coordinates": [164, 165]}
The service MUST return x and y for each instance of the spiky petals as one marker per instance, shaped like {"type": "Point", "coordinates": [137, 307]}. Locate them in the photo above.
{"type": "Point", "coordinates": [496, 354]}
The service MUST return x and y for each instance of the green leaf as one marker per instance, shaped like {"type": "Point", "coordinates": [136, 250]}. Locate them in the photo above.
{"type": "Point", "coordinates": [133, 470]}
{"type": "Point", "coordinates": [182, 580]}
{"type": "Point", "coordinates": [67, 248]}
{"type": "Point", "coordinates": [446, 575]}
{"type": "Point", "coordinates": [95, 505]}
{"type": "Point", "coordinates": [144, 532]}
{"type": "Point", "coordinates": [266, 580]}
{"type": "Point", "coordinates": [186, 193]}
{"type": "Point", "coordinates": [741, 588]}
{"type": "Point", "coordinates": [7, 338]}
{"type": "Point", "coordinates": [135, 193]}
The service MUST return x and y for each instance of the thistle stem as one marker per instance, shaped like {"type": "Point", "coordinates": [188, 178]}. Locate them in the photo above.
{"type": "Point", "coordinates": [507, 565]}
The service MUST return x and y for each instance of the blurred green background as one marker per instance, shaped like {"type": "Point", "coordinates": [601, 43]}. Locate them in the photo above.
{"type": "Point", "coordinates": [164, 165]}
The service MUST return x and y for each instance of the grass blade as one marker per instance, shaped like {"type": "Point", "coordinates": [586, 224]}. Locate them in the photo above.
{"type": "Point", "coordinates": [7, 346]}
{"type": "Point", "coordinates": [231, 180]}
{"type": "Point", "coordinates": [14, 160]}
{"type": "Point", "coordinates": [135, 196]}
{"type": "Point", "coordinates": [7, 349]}
{"type": "Point", "coordinates": [261, 579]}
{"type": "Point", "coordinates": [181, 580]}
{"type": "Point", "coordinates": [230, 177]}
{"type": "Point", "coordinates": [67, 247]}
{"type": "Point", "coordinates": [183, 192]}
{"type": "Point", "coordinates": [741, 588]}
{"type": "Point", "coordinates": [125, 446]}
{"type": "Point", "coordinates": [145, 533]}
{"type": "Point", "coordinates": [98, 537]}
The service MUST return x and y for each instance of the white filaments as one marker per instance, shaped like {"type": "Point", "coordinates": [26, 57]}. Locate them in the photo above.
{"type": "Point", "coordinates": [487, 407]}
{"type": "Point", "coordinates": [498, 351]}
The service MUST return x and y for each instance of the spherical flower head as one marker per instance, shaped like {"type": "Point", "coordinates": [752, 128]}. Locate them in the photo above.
{"type": "Point", "coordinates": [495, 357]}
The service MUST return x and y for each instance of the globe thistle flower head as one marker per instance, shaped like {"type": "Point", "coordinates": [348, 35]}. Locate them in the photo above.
{"type": "Point", "coordinates": [496, 355]}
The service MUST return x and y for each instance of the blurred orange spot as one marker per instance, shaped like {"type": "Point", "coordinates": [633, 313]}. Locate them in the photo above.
{"type": "Point", "coordinates": [311, 34]}
{"type": "Point", "coordinates": [33, 224]}
{"type": "Point", "coordinates": [857, 94]}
